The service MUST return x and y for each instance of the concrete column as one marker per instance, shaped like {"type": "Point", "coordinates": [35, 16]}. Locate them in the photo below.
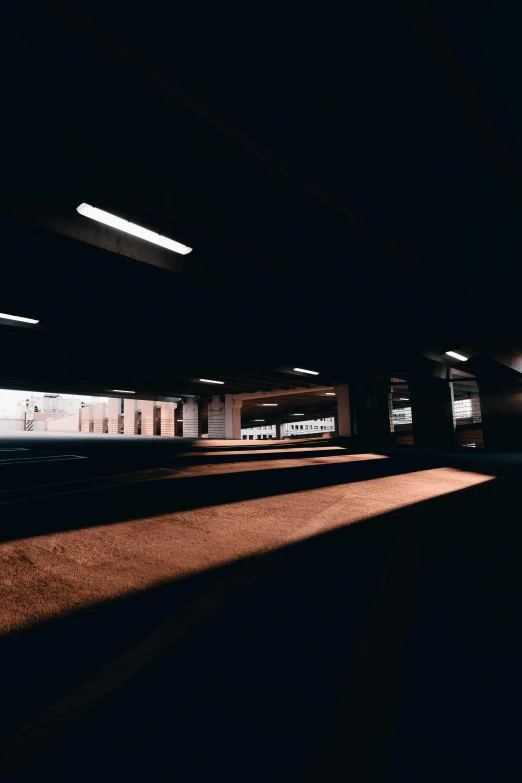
{"type": "Point", "coordinates": [344, 416]}
{"type": "Point", "coordinates": [370, 403]}
{"type": "Point", "coordinates": [99, 417]}
{"type": "Point", "coordinates": [279, 431]}
{"type": "Point", "coordinates": [233, 417]}
{"type": "Point", "coordinates": [148, 417]}
{"type": "Point", "coordinates": [130, 416]}
{"type": "Point", "coordinates": [216, 418]}
{"type": "Point", "coordinates": [432, 414]}
{"type": "Point", "coordinates": [168, 419]}
{"type": "Point", "coordinates": [501, 406]}
{"type": "Point", "coordinates": [86, 419]}
{"type": "Point", "coordinates": [114, 416]}
{"type": "Point", "coordinates": [191, 419]}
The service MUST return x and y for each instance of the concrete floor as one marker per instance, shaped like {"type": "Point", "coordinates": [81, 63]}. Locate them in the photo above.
{"type": "Point", "coordinates": [246, 612]}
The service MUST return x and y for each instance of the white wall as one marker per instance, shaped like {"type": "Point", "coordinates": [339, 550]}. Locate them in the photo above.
{"type": "Point", "coordinates": [12, 425]}
{"type": "Point", "coordinates": [67, 424]}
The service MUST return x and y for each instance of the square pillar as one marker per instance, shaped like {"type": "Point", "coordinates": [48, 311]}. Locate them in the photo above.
{"type": "Point", "coordinates": [86, 419]}
{"type": "Point", "coordinates": [148, 417]}
{"type": "Point", "coordinates": [501, 406]}
{"type": "Point", "coordinates": [130, 416]}
{"type": "Point", "coordinates": [99, 417]}
{"type": "Point", "coordinates": [114, 416]}
{"type": "Point", "coordinates": [216, 418]}
{"type": "Point", "coordinates": [433, 419]}
{"type": "Point", "coordinates": [370, 403]}
{"type": "Point", "coordinates": [168, 419]}
{"type": "Point", "coordinates": [191, 419]}
{"type": "Point", "coordinates": [232, 417]}
{"type": "Point", "coordinates": [344, 416]}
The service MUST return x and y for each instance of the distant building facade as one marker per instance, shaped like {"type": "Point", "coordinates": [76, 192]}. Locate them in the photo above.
{"type": "Point", "coordinates": [290, 429]}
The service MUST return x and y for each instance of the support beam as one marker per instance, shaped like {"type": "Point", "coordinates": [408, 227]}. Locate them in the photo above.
{"type": "Point", "coordinates": [86, 419]}
{"type": "Point", "coordinates": [168, 419]}
{"type": "Point", "coordinates": [432, 414]}
{"type": "Point", "coordinates": [344, 416]}
{"type": "Point", "coordinates": [216, 418]}
{"type": "Point", "coordinates": [99, 417]}
{"type": "Point", "coordinates": [130, 416]}
{"type": "Point", "coordinates": [281, 392]}
{"type": "Point", "coordinates": [148, 417]}
{"type": "Point", "coordinates": [114, 416]}
{"type": "Point", "coordinates": [191, 419]}
{"type": "Point", "coordinates": [233, 417]}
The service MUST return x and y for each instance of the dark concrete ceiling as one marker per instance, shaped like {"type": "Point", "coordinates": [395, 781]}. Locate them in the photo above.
{"type": "Point", "coordinates": [349, 183]}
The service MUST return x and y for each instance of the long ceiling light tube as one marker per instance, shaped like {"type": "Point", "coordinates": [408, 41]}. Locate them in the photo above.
{"type": "Point", "coordinates": [132, 228]}
{"type": "Point", "coordinates": [21, 318]}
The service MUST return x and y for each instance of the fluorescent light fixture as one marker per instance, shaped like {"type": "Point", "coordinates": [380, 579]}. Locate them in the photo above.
{"type": "Point", "coordinates": [124, 391]}
{"type": "Point", "coordinates": [457, 356]}
{"type": "Point", "coordinates": [404, 399]}
{"type": "Point", "coordinates": [19, 318]}
{"type": "Point", "coordinates": [269, 404]}
{"type": "Point", "coordinates": [297, 414]}
{"type": "Point", "coordinates": [258, 419]}
{"type": "Point", "coordinates": [207, 380]}
{"type": "Point", "coordinates": [131, 228]}
{"type": "Point", "coordinates": [330, 394]}
{"type": "Point", "coordinates": [309, 372]}
{"type": "Point", "coordinates": [181, 420]}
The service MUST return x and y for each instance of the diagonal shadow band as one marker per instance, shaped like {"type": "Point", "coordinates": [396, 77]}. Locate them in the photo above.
{"type": "Point", "coordinates": [374, 538]}
{"type": "Point", "coordinates": [104, 506]}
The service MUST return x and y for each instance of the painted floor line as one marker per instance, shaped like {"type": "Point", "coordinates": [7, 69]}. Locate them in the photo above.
{"type": "Point", "coordinates": [26, 460]}
{"type": "Point", "coordinates": [21, 745]}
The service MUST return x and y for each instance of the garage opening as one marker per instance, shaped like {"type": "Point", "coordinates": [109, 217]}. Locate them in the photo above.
{"type": "Point", "coordinates": [468, 415]}
{"type": "Point", "coordinates": [401, 421]}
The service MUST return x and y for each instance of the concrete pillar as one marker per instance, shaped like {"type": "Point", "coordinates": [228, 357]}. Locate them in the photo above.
{"type": "Point", "coordinates": [86, 419]}
{"type": "Point", "coordinates": [130, 416]}
{"type": "Point", "coordinates": [191, 419]}
{"type": "Point", "coordinates": [148, 417]}
{"type": "Point", "coordinates": [168, 419]}
{"type": "Point", "coordinates": [233, 417]}
{"type": "Point", "coordinates": [344, 416]}
{"type": "Point", "coordinates": [279, 431]}
{"type": "Point", "coordinates": [432, 414]}
{"type": "Point", "coordinates": [216, 418]}
{"type": "Point", "coordinates": [370, 403]}
{"type": "Point", "coordinates": [501, 406]}
{"type": "Point", "coordinates": [114, 416]}
{"type": "Point", "coordinates": [100, 417]}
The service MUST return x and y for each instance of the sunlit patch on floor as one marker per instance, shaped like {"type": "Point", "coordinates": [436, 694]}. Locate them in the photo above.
{"type": "Point", "coordinates": [50, 575]}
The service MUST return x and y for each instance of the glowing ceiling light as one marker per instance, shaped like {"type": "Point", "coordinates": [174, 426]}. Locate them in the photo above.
{"type": "Point", "coordinates": [297, 414]}
{"type": "Point", "coordinates": [124, 391]}
{"type": "Point", "coordinates": [131, 228]}
{"type": "Point", "coordinates": [269, 404]}
{"type": "Point", "coordinates": [19, 318]}
{"type": "Point", "coordinates": [309, 372]}
{"type": "Point", "coordinates": [258, 419]}
{"type": "Point", "coordinates": [457, 356]}
{"type": "Point", "coordinates": [207, 380]}
{"type": "Point", "coordinates": [330, 394]}
{"type": "Point", "coordinates": [404, 399]}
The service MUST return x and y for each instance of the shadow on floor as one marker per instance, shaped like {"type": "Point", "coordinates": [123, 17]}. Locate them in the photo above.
{"type": "Point", "coordinates": [251, 695]}
{"type": "Point", "coordinates": [105, 506]}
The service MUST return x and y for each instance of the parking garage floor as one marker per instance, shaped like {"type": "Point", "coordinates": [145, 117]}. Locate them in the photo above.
{"type": "Point", "coordinates": [257, 611]}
